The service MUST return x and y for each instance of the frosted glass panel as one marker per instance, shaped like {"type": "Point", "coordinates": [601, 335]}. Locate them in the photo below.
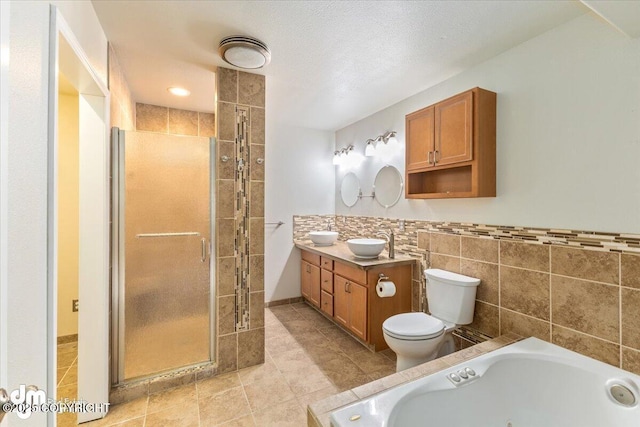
{"type": "Point", "coordinates": [166, 283]}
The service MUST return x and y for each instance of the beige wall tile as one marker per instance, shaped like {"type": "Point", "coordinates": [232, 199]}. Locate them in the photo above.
{"type": "Point", "coordinates": [226, 276]}
{"type": "Point", "coordinates": [479, 249]}
{"type": "Point", "coordinates": [251, 89]}
{"type": "Point", "coordinates": [630, 265]}
{"type": "Point", "coordinates": [257, 126]}
{"type": "Point", "coordinates": [226, 121]}
{"type": "Point", "coordinates": [256, 236]}
{"type": "Point", "coordinates": [257, 170]}
{"type": "Point", "coordinates": [525, 326]}
{"type": "Point", "coordinates": [524, 255]}
{"type": "Point", "coordinates": [631, 360]}
{"type": "Point", "coordinates": [251, 347]}
{"type": "Point", "coordinates": [257, 199]}
{"type": "Point", "coordinates": [256, 308]}
{"type": "Point", "coordinates": [446, 244]}
{"type": "Point", "coordinates": [445, 262]}
{"type": "Point", "coordinates": [152, 118]}
{"type": "Point", "coordinates": [631, 318]}
{"type": "Point", "coordinates": [487, 291]}
{"type": "Point", "coordinates": [525, 291]}
{"type": "Point", "coordinates": [584, 306]}
{"type": "Point", "coordinates": [226, 237]}
{"type": "Point", "coordinates": [256, 268]}
{"type": "Point", "coordinates": [424, 240]}
{"type": "Point", "coordinates": [206, 124]}
{"type": "Point", "coordinates": [226, 314]}
{"type": "Point", "coordinates": [589, 346]}
{"type": "Point", "coordinates": [486, 319]}
{"type": "Point", "coordinates": [183, 122]}
{"type": "Point", "coordinates": [585, 264]}
{"type": "Point", "coordinates": [227, 85]}
{"type": "Point", "coordinates": [227, 353]}
{"type": "Point", "coordinates": [226, 170]}
{"type": "Point", "coordinates": [226, 198]}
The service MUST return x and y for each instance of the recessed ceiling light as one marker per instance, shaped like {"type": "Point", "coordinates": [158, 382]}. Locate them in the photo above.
{"type": "Point", "coordinates": [244, 52]}
{"type": "Point", "coordinates": [179, 91]}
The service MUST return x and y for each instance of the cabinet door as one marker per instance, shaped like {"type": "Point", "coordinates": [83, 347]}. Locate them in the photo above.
{"type": "Point", "coordinates": [453, 130]}
{"type": "Point", "coordinates": [340, 300]}
{"type": "Point", "coordinates": [310, 283]}
{"type": "Point", "coordinates": [358, 309]}
{"type": "Point", "coordinates": [420, 138]}
{"type": "Point", "coordinates": [305, 279]}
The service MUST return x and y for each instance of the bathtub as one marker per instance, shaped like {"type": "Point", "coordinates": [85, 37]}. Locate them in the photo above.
{"type": "Point", "coordinates": [530, 383]}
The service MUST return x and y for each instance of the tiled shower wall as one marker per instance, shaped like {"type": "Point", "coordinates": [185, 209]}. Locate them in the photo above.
{"type": "Point", "coordinates": [154, 118]}
{"type": "Point", "coordinates": [577, 289]}
{"type": "Point", "coordinates": [239, 349]}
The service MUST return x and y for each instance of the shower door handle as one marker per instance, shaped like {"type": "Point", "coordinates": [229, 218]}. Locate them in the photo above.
{"type": "Point", "coordinates": [203, 254]}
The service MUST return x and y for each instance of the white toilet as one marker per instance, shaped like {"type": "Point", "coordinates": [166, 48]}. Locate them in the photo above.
{"type": "Point", "coordinates": [418, 337]}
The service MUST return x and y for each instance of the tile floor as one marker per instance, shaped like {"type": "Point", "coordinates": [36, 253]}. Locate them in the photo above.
{"type": "Point", "coordinates": [307, 358]}
{"type": "Point", "coordinates": [67, 379]}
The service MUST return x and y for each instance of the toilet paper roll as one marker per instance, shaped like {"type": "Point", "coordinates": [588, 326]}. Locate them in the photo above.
{"type": "Point", "coordinates": [385, 289]}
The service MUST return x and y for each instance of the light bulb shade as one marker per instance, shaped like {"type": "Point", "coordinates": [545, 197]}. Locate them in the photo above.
{"type": "Point", "coordinates": [393, 141]}
{"type": "Point", "coordinates": [336, 158]}
{"type": "Point", "coordinates": [370, 150]}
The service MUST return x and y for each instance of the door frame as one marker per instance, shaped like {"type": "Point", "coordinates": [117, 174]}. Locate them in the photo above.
{"type": "Point", "coordinates": [67, 55]}
{"type": "Point", "coordinates": [4, 174]}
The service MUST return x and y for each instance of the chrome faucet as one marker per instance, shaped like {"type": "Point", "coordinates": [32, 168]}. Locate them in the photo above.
{"type": "Point", "coordinates": [328, 224]}
{"type": "Point", "coordinates": [391, 239]}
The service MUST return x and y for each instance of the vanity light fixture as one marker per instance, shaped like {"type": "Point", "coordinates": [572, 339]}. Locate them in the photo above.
{"type": "Point", "coordinates": [342, 157]}
{"type": "Point", "coordinates": [336, 158]}
{"type": "Point", "coordinates": [382, 144]}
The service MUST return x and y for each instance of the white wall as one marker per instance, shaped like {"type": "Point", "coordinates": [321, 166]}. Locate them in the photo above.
{"type": "Point", "coordinates": [26, 244]}
{"type": "Point", "coordinates": [299, 181]}
{"type": "Point", "coordinates": [568, 135]}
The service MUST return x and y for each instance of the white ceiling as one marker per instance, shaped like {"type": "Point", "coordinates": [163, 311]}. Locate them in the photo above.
{"type": "Point", "coordinates": [333, 62]}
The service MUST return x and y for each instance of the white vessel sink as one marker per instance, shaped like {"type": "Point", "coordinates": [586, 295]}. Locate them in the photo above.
{"type": "Point", "coordinates": [366, 248]}
{"type": "Point", "coordinates": [323, 238]}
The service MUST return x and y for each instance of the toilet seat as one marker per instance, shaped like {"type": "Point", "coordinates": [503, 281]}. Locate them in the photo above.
{"type": "Point", "coordinates": [413, 327]}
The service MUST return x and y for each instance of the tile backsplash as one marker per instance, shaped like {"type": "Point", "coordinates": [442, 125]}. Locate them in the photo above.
{"type": "Point", "coordinates": [577, 289]}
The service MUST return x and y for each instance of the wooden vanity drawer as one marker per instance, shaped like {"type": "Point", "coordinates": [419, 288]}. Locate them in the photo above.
{"type": "Point", "coordinates": [326, 280]}
{"type": "Point", "coordinates": [326, 303]}
{"type": "Point", "coordinates": [326, 263]}
{"type": "Point", "coordinates": [311, 258]}
{"type": "Point", "coordinates": [350, 273]}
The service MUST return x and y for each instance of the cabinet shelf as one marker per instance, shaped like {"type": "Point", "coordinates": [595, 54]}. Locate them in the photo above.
{"type": "Point", "coordinates": [451, 148]}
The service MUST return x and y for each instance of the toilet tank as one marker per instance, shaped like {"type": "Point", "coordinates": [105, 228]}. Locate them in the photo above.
{"type": "Point", "coordinates": [451, 296]}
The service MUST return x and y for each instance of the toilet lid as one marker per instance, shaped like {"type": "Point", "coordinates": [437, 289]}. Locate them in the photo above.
{"type": "Point", "coordinates": [413, 326]}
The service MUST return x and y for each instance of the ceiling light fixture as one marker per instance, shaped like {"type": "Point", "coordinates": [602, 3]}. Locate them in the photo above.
{"type": "Point", "coordinates": [244, 52]}
{"type": "Point", "coordinates": [179, 91]}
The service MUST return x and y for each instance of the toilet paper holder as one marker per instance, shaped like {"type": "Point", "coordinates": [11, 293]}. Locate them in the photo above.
{"type": "Point", "coordinates": [381, 276]}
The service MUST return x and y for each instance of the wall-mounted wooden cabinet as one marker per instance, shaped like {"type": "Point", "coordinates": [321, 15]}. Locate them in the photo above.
{"type": "Point", "coordinates": [451, 148]}
{"type": "Point", "coordinates": [347, 294]}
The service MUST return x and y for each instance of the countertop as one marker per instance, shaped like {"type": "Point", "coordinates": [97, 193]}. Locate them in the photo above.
{"type": "Point", "coordinates": [339, 251]}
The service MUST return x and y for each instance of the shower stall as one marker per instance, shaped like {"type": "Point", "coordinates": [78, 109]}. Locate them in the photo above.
{"type": "Point", "coordinates": [163, 287]}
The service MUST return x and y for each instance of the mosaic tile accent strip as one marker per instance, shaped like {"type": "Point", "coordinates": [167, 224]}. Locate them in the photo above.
{"type": "Point", "coordinates": [242, 240]}
{"type": "Point", "coordinates": [359, 226]}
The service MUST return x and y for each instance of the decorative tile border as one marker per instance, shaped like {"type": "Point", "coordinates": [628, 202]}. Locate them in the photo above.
{"type": "Point", "coordinates": [406, 241]}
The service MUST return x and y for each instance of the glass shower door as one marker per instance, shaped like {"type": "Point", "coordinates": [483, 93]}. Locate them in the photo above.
{"type": "Point", "coordinates": [165, 295]}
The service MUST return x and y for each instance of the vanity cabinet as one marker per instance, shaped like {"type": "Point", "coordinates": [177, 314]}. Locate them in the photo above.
{"type": "Point", "coordinates": [451, 147]}
{"type": "Point", "coordinates": [346, 294]}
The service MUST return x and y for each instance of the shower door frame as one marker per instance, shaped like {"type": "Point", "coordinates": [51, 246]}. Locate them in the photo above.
{"type": "Point", "coordinates": [118, 259]}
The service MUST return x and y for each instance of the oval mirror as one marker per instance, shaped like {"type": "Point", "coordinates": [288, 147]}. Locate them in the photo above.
{"type": "Point", "coordinates": [350, 189]}
{"type": "Point", "coordinates": [387, 186]}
